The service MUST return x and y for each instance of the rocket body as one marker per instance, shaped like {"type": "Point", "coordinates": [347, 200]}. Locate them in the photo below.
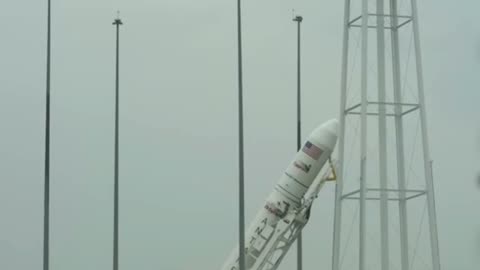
{"type": "Point", "coordinates": [288, 194]}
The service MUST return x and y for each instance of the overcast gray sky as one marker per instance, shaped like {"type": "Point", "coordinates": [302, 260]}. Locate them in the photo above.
{"type": "Point", "coordinates": [178, 126]}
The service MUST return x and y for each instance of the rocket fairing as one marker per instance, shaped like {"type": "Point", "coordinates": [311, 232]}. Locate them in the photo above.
{"type": "Point", "coordinates": [286, 210]}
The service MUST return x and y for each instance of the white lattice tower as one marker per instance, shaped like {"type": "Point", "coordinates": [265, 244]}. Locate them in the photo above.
{"type": "Point", "coordinates": [385, 173]}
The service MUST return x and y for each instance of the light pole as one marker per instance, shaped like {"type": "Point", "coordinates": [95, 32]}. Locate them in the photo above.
{"type": "Point", "coordinates": [117, 24]}
{"type": "Point", "coordinates": [46, 203]}
{"type": "Point", "coordinates": [241, 175]}
{"type": "Point", "coordinates": [299, 20]}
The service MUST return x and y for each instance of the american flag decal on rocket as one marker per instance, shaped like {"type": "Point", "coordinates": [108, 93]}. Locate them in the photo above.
{"type": "Point", "coordinates": [312, 151]}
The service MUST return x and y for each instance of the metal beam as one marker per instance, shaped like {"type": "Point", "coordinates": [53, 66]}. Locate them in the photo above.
{"type": "Point", "coordinates": [397, 86]}
{"type": "Point", "coordinates": [350, 23]}
{"type": "Point", "coordinates": [337, 221]}
{"type": "Point", "coordinates": [415, 196]}
{"type": "Point", "coordinates": [401, 25]}
{"type": "Point", "coordinates": [432, 215]}
{"type": "Point", "coordinates": [382, 136]}
{"type": "Point", "coordinates": [409, 111]}
{"type": "Point", "coordinates": [363, 138]}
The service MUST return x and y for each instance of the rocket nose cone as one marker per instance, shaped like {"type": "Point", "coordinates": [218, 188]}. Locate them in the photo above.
{"type": "Point", "coordinates": [326, 134]}
{"type": "Point", "coordinates": [331, 126]}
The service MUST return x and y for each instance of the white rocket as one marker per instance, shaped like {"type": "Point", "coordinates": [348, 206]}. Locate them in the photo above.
{"type": "Point", "coordinates": [287, 208]}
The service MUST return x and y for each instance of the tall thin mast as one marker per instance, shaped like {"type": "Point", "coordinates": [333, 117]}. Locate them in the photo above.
{"type": "Point", "coordinates": [117, 23]}
{"type": "Point", "coordinates": [299, 20]}
{"type": "Point", "coordinates": [241, 174]}
{"type": "Point", "coordinates": [46, 204]}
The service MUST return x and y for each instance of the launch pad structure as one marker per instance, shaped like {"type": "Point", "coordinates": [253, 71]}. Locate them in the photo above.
{"type": "Point", "coordinates": [390, 100]}
{"type": "Point", "coordinates": [380, 180]}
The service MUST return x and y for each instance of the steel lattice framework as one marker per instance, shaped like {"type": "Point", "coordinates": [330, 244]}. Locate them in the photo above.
{"type": "Point", "coordinates": [370, 183]}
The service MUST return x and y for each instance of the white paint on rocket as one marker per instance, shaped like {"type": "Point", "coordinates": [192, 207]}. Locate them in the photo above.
{"type": "Point", "coordinates": [285, 211]}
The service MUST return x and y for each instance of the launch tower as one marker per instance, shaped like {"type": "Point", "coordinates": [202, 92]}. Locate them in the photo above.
{"type": "Point", "coordinates": [385, 205]}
